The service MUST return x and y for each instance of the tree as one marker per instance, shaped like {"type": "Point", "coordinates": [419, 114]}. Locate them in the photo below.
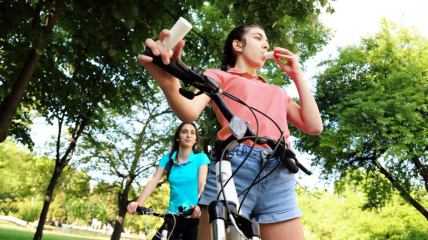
{"type": "Point", "coordinates": [340, 215]}
{"type": "Point", "coordinates": [372, 98]}
{"type": "Point", "coordinates": [35, 33]}
{"type": "Point", "coordinates": [130, 148]}
{"type": "Point", "coordinates": [16, 160]}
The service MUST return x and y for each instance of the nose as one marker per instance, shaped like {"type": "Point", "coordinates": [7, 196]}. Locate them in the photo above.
{"type": "Point", "coordinates": [265, 46]}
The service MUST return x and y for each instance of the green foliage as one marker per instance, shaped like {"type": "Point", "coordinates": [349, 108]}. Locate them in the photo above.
{"type": "Point", "coordinates": [339, 216]}
{"type": "Point", "coordinates": [14, 161]}
{"type": "Point", "coordinates": [89, 63]}
{"type": "Point", "coordinates": [372, 98]}
{"type": "Point", "coordinates": [25, 177]}
{"type": "Point", "coordinates": [8, 206]}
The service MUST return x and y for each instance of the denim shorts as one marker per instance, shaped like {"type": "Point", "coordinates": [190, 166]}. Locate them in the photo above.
{"type": "Point", "coordinates": [272, 200]}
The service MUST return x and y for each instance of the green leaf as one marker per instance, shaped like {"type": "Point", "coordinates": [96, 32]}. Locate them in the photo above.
{"type": "Point", "coordinates": [135, 11]}
{"type": "Point", "coordinates": [40, 51]}
{"type": "Point", "coordinates": [112, 52]}
{"type": "Point", "coordinates": [130, 24]}
{"type": "Point", "coordinates": [116, 13]}
{"type": "Point", "coordinates": [104, 44]}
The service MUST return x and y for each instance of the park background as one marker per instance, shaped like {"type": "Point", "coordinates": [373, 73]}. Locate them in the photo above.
{"type": "Point", "coordinates": [371, 92]}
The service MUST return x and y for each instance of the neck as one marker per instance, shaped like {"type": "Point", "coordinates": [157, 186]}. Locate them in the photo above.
{"type": "Point", "coordinates": [241, 65]}
{"type": "Point", "coordinates": [183, 154]}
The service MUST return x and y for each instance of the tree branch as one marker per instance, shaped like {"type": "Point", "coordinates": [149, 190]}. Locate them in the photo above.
{"type": "Point", "coordinates": [420, 168]}
{"type": "Point", "coordinates": [402, 192]}
{"type": "Point", "coordinates": [115, 171]}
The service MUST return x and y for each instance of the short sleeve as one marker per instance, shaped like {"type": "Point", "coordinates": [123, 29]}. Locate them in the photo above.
{"type": "Point", "coordinates": [289, 99]}
{"type": "Point", "coordinates": [214, 74]}
{"type": "Point", "coordinates": [203, 159]}
{"type": "Point", "coordinates": [164, 161]}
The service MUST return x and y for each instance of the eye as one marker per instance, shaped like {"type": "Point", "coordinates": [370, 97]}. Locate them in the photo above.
{"type": "Point", "coordinates": [259, 38]}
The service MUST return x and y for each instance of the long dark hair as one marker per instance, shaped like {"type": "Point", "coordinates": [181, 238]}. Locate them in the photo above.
{"type": "Point", "coordinates": [237, 33]}
{"type": "Point", "coordinates": [197, 147]}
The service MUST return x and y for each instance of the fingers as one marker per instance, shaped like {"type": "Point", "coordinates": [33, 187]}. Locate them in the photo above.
{"type": "Point", "coordinates": [143, 59]}
{"type": "Point", "coordinates": [153, 46]}
{"type": "Point", "coordinates": [282, 51]}
{"type": "Point", "coordinates": [132, 207]}
{"type": "Point", "coordinates": [177, 50]}
{"type": "Point", "coordinates": [196, 211]}
{"type": "Point", "coordinates": [286, 57]}
{"type": "Point", "coordinates": [129, 208]}
{"type": "Point", "coordinates": [157, 49]}
{"type": "Point", "coordinates": [277, 60]}
{"type": "Point", "coordinates": [163, 52]}
{"type": "Point", "coordinates": [164, 33]}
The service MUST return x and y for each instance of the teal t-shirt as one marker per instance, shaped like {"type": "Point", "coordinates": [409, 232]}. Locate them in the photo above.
{"type": "Point", "coordinates": [183, 180]}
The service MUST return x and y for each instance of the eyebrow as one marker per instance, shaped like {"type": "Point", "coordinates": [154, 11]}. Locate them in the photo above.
{"type": "Point", "coordinates": [261, 35]}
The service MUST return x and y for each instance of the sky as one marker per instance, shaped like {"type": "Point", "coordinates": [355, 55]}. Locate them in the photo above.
{"type": "Point", "coordinates": [352, 20]}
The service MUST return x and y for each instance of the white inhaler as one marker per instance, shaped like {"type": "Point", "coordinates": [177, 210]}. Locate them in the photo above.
{"type": "Point", "coordinates": [178, 31]}
{"type": "Point", "coordinates": [268, 55]}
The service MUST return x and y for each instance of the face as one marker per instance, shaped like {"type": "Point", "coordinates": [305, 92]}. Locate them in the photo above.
{"type": "Point", "coordinates": [256, 44]}
{"type": "Point", "coordinates": [187, 136]}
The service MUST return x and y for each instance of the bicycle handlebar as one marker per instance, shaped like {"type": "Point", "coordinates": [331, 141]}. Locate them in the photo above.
{"type": "Point", "coordinates": [207, 85]}
{"type": "Point", "coordinates": [149, 211]}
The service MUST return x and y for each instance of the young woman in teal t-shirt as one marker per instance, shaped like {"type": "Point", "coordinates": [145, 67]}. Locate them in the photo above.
{"type": "Point", "coordinates": [186, 169]}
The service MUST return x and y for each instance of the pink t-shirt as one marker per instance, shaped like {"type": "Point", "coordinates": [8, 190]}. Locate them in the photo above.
{"type": "Point", "coordinates": [257, 93]}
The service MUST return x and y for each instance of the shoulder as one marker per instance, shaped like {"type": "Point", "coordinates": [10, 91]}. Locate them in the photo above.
{"type": "Point", "coordinates": [216, 74]}
{"type": "Point", "coordinates": [201, 155]}
{"type": "Point", "coordinates": [166, 156]}
{"type": "Point", "coordinates": [213, 71]}
{"type": "Point", "coordinates": [164, 160]}
{"type": "Point", "coordinates": [202, 158]}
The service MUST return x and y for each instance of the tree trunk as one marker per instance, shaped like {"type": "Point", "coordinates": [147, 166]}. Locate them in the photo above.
{"type": "Point", "coordinates": [48, 199]}
{"type": "Point", "coordinates": [403, 192]}
{"type": "Point", "coordinates": [421, 169]}
{"type": "Point", "coordinates": [122, 204]}
{"type": "Point", "coordinates": [10, 104]}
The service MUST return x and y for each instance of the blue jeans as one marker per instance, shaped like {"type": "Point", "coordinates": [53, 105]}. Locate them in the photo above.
{"type": "Point", "coordinates": [272, 200]}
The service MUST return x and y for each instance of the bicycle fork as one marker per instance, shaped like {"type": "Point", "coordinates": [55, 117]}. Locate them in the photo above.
{"type": "Point", "coordinates": [221, 223]}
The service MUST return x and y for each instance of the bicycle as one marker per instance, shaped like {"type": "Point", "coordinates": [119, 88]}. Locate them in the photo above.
{"type": "Point", "coordinates": [224, 213]}
{"type": "Point", "coordinates": [164, 235]}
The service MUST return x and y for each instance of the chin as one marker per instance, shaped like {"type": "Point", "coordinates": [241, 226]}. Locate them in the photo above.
{"type": "Point", "coordinates": [260, 65]}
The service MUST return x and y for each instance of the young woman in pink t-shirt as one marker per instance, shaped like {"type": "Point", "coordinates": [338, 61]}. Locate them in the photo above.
{"type": "Point", "coordinates": [273, 202]}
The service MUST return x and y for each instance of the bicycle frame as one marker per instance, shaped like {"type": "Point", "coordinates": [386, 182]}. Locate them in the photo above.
{"type": "Point", "coordinates": [223, 216]}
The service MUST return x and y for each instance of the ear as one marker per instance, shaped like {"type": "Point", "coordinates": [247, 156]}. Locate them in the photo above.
{"type": "Point", "coordinates": [237, 46]}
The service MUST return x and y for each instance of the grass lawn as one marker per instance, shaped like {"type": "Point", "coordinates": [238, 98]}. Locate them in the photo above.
{"type": "Point", "coordinates": [10, 232]}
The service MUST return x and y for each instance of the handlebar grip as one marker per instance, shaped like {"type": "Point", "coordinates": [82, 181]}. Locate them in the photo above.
{"type": "Point", "coordinates": [305, 170]}
{"type": "Point", "coordinates": [172, 68]}
{"type": "Point", "coordinates": [143, 210]}
{"type": "Point", "coordinates": [188, 212]}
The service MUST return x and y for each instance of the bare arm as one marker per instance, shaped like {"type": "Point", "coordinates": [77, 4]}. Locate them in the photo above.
{"type": "Point", "coordinates": [185, 109]}
{"type": "Point", "coordinates": [202, 178]}
{"type": "Point", "coordinates": [150, 187]}
{"type": "Point", "coordinates": [307, 116]}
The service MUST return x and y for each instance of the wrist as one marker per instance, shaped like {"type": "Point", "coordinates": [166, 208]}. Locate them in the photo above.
{"type": "Point", "coordinates": [297, 76]}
